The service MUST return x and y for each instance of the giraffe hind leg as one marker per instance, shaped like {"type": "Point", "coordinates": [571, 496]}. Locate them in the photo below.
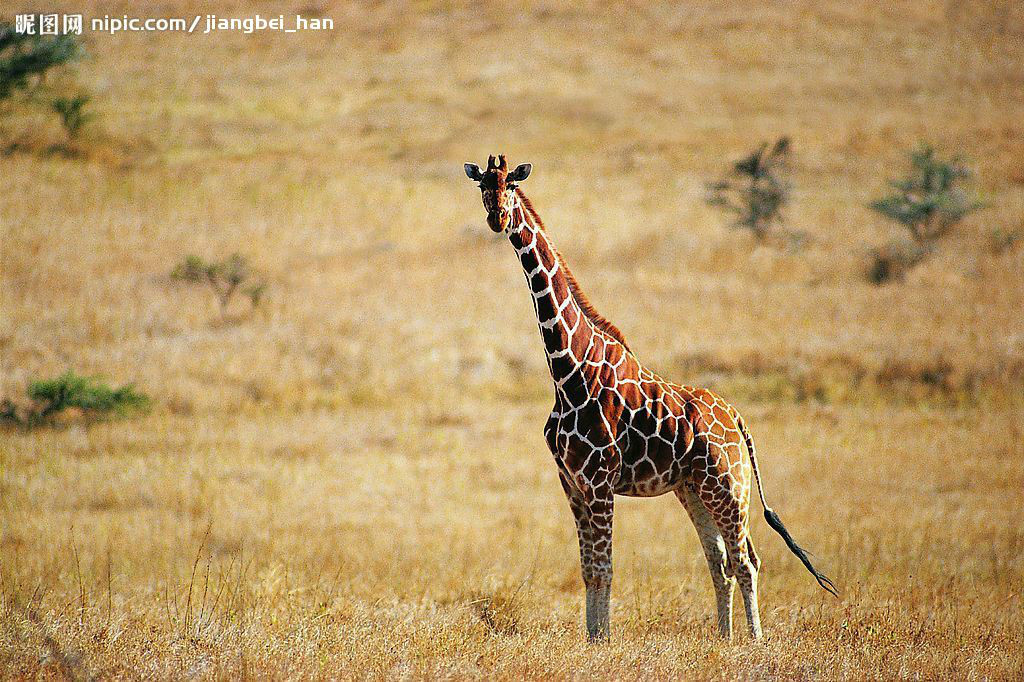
{"type": "Point", "coordinates": [727, 502]}
{"type": "Point", "coordinates": [756, 560]}
{"type": "Point", "coordinates": [714, 551]}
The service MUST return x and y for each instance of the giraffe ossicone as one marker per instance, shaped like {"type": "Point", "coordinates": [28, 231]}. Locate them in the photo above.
{"type": "Point", "coordinates": [617, 428]}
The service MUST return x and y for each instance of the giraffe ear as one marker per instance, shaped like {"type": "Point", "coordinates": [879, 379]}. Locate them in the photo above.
{"type": "Point", "coordinates": [521, 172]}
{"type": "Point", "coordinates": [473, 172]}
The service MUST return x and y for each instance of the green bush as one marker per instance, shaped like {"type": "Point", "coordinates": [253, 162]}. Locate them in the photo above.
{"type": "Point", "coordinates": [72, 113]}
{"type": "Point", "coordinates": [1002, 240]}
{"type": "Point", "coordinates": [25, 59]}
{"type": "Point", "coordinates": [26, 62]}
{"type": "Point", "coordinates": [929, 201]}
{"type": "Point", "coordinates": [756, 189]}
{"type": "Point", "coordinates": [49, 397]}
{"type": "Point", "coordinates": [226, 278]}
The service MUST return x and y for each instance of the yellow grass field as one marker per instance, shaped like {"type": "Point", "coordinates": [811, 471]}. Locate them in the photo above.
{"type": "Point", "coordinates": [351, 481]}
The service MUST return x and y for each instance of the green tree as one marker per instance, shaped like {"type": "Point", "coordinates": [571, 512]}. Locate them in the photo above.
{"type": "Point", "coordinates": [756, 189]}
{"type": "Point", "coordinates": [226, 278]}
{"type": "Point", "coordinates": [928, 202]}
{"type": "Point", "coordinates": [25, 59]}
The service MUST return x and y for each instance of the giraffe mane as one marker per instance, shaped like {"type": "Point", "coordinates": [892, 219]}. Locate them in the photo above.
{"type": "Point", "coordinates": [596, 318]}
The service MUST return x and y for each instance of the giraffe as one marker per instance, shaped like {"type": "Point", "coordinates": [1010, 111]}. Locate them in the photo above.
{"type": "Point", "coordinates": [617, 428]}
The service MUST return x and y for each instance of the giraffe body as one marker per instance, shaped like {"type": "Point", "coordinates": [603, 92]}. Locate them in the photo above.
{"type": "Point", "coordinates": [617, 428]}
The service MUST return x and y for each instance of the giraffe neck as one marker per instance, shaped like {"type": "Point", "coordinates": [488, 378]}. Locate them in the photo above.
{"type": "Point", "coordinates": [567, 331]}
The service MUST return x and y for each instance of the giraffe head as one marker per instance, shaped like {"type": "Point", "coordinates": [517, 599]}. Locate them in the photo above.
{"type": "Point", "coordinates": [498, 189]}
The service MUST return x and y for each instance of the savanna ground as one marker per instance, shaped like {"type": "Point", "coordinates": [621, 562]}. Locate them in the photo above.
{"type": "Point", "coordinates": [352, 481]}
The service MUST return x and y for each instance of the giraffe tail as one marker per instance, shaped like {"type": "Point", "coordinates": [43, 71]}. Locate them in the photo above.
{"type": "Point", "coordinates": [776, 523]}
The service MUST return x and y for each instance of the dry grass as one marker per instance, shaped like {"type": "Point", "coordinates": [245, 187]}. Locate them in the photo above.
{"type": "Point", "coordinates": [352, 482]}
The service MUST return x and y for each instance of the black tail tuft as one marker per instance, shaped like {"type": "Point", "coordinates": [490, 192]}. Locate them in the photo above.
{"type": "Point", "coordinates": [776, 523]}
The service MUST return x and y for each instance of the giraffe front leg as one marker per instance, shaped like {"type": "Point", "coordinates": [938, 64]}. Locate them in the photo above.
{"type": "Point", "coordinates": [596, 565]}
{"type": "Point", "coordinates": [594, 528]}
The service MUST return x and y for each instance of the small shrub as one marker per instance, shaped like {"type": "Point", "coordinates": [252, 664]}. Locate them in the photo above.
{"type": "Point", "coordinates": [72, 113]}
{"type": "Point", "coordinates": [756, 189]}
{"type": "Point", "coordinates": [226, 278]}
{"type": "Point", "coordinates": [928, 202]}
{"type": "Point", "coordinates": [1001, 241]}
{"type": "Point", "coordinates": [90, 395]}
{"type": "Point", "coordinates": [893, 261]}
{"type": "Point", "coordinates": [26, 63]}
{"type": "Point", "coordinates": [25, 59]}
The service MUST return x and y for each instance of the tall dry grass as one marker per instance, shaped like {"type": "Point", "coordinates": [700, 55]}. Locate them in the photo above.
{"type": "Point", "coordinates": [352, 482]}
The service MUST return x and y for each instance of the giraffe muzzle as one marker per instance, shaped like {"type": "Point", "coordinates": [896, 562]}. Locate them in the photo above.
{"type": "Point", "coordinates": [497, 221]}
